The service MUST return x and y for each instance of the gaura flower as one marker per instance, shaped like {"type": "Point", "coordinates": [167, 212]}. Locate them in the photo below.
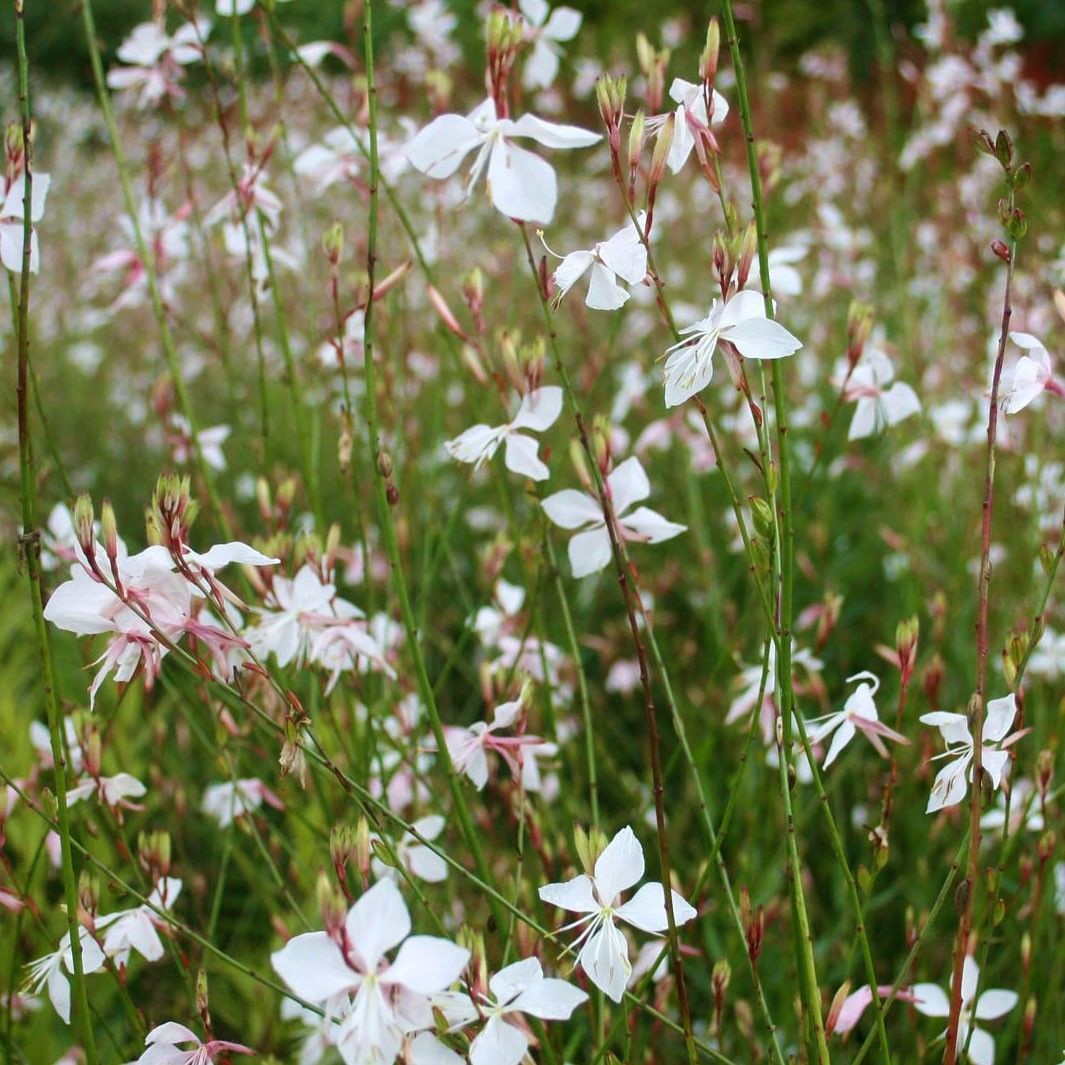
{"type": "Point", "coordinates": [881, 401]}
{"type": "Point", "coordinates": [154, 59]}
{"type": "Point", "coordinates": [234, 798]}
{"type": "Point", "coordinates": [137, 929]}
{"type": "Point", "coordinates": [539, 410]}
{"type": "Point", "coordinates": [692, 122]}
{"type": "Point", "coordinates": [1029, 376]}
{"type": "Point", "coordinates": [51, 970]}
{"type": "Point", "coordinates": [933, 1001]}
{"type": "Point", "coordinates": [164, 1047]}
{"type": "Point", "coordinates": [604, 953]}
{"type": "Point", "coordinates": [546, 29]}
{"type": "Point", "coordinates": [858, 713]}
{"type": "Point", "coordinates": [418, 859]}
{"type": "Point", "coordinates": [377, 1002]}
{"type": "Point", "coordinates": [515, 990]}
{"type": "Point", "coordinates": [951, 781]}
{"type": "Point", "coordinates": [589, 550]}
{"type": "Point", "coordinates": [12, 219]}
{"type": "Point", "coordinates": [621, 256]}
{"type": "Point", "coordinates": [521, 185]}
{"type": "Point", "coordinates": [743, 323]}
{"type": "Point", "coordinates": [113, 792]}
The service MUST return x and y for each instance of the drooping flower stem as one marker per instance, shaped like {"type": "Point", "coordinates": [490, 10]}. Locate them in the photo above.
{"type": "Point", "coordinates": [977, 705]}
{"type": "Point", "coordinates": [147, 258]}
{"type": "Point", "coordinates": [382, 475]}
{"type": "Point", "coordinates": [30, 547]}
{"type": "Point", "coordinates": [628, 593]}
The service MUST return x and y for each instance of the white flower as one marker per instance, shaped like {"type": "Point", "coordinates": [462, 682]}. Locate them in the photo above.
{"type": "Point", "coordinates": [743, 323]}
{"type": "Point", "coordinates": [231, 799]}
{"type": "Point", "coordinates": [52, 969]}
{"type": "Point", "coordinates": [338, 158]}
{"type": "Point", "coordinates": [621, 256]}
{"type": "Point", "coordinates": [129, 930]}
{"type": "Point", "coordinates": [376, 1002]}
{"type": "Point", "coordinates": [951, 781]}
{"type": "Point", "coordinates": [547, 29]}
{"type": "Point", "coordinates": [539, 410]}
{"type": "Point", "coordinates": [12, 221]}
{"type": "Point", "coordinates": [604, 954]}
{"type": "Point", "coordinates": [521, 185]}
{"type": "Point", "coordinates": [1029, 376]}
{"type": "Point", "coordinates": [517, 989]}
{"type": "Point", "coordinates": [691, 119]}
{"type": "Point", "coordinates": [933, 1001]}
{"type": "Point", "coordinates": [164, 1047]}
{"type": "Point", "coordinates": [414, 855]}
{"type": "Point", "coordinates": [589, 550]}
{"type": "Point", "coordinates": [880, 403]}
{"type": "Point", "coordinates": [111, 791]}
{"type": "Point", "coordinates": [859, 712]}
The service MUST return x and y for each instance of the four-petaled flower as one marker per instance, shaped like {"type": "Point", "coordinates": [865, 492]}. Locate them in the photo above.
{"type": "Point", "coordinates": [12, 221]}
{"type": "Point", "coordinates": [589, 550]}
{"type": "Point", "coordinates": [1029, 376]}
{"type": "Point", "coordinates": [692, 126]}
{"type": "Point", "coordinates": [518, 989]}
{"type": "Point", "coordinates": [604, 953]}
{"type": "Point", "coordinates": [933, 1001]}
{"type": "Point", "coordinates": [546, 29]}
{"type": "Point", "coordinates": [858, 713]}
{"type": "Point", "coordinates": [622, 255]}
{"type": "Point", "coordinates": [539, 410]}
{"type": "Point", "coordinates": [951, 781]}
{"type": "Point", "coordinates": [743, 323]}
{"type": "Point", "coordinates": [51, 970]}
{"type": "Point", "coordinates": [520, 184]}
{"type": "Point", "coordinates": [164, 1047]}
{"type": "Point", "coordinates": [376, 1002]}
{"type": "Point", "coordinates": [880, 401]}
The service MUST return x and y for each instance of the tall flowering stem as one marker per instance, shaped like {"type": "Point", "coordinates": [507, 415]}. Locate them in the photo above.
{"type": "Point", "coordinates": [30, 544]}
{"type": "Point", "coordinates": [1015, 228]}
{"type": "Point", "coordinates": [387, 494]}
{"type": "Point", "coordinates": [632, 608]}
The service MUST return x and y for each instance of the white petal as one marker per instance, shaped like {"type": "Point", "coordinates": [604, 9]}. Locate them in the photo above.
{"type": "Point", "coordinates": [981, 1048]}
{"type": "Point", "coordinates": [521, 185]}
{"type": "Point", "coordinates": [438, 149]}
{"type": "Point", "coordinates": [426, 1049]}
{"type": "Point", "coordinates": [994, 1004]}
{"type": "Point", "coordinates": [521, 457]}
{"type": "Point", "coordinates": [541, 68]}
{"type": "Point", "coordinates": [171, 1032]}
{"type": "Point", "coordinates": [563, 24]}
{"type": "Point", "coordinates": [931, 1000]}
{"type": "Point", "coordinates": [534, 12]}
{"type": "Point", "coordinates": [589, 551]}
{"type": "Point", "coordinates": [625, 254]}
{"type": "Point", "coordinates": [426, 964]}
{"type": "Point", "coordinates": [650, 526]}
{"type": "Point", "coordinates": [570, 270]}
{"type": "Point", "coordinates": [688, 370]}
{"type": "Point", "coordinates": [575, 895]}
{"type": "Point", "coordinates": [550, 999]}
{"type": "Point", "coordinates": [605, 958]}
{"type": "Point", "coordinates": [312, 965]}
{"type": "Point", "coordinates": [866, 418]}
{"type": "Point", "coordinates": [900, 401]}
{"type": "Point", "coordinates": [844, 734]}
{"type": "Point", "coordinates": [619, 866]}
{"type": "Point", "coordinates": [761, 338]}
{"type": "Point", "coordinates": [377, 922]}
{"type": "Point", "coordinates": [570, 509]}
{"type": "Point", "coordinates": [628, 484]}
{"type": "Point", "coordinates": [499, 1043]}
{"type": "Point", "coordinates": [513, 979]}
{"type": "Point", "coordinates": [604, 293]}
{"type": "Point", "coordinates": [1000, 715]}
{"type": "Point", "coordinates": [539, 409]}
{"type": "Point", "coordinates": [646, 909]}
{"type": "Point", "coordinates": [223, 554]}
{"type": "Point", "coordinates": [550, 134]}
{"type": "Point", "coordinates": [743, 306]}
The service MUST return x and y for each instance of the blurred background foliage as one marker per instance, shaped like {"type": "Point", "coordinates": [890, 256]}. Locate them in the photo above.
{"type": "Point", "coordinates": [778, 30]}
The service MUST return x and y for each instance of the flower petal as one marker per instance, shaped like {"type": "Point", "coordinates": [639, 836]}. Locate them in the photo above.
{"type": "Point", "coordinates": [426, 964]}
{"type": "Point", "coordinates": [520, 456]}
{"type": "Point", "coordinates": [539, 409]}
{"type": "Point", "coordinates": [438, 149]}
{"type": "Point", "coordinates": [521, 185]}
{"type": "Point", "coordinates": [570, 509]}
{"type": "Point", "coordinates": [605, 958]}
{"type": "Point", "coordinates": [646, 909]}
{"type": "Point", "coordinates": [377, 922]}
{"type": "Point", "coordinates": [619, 866]}
{"type": "Point", "coordinates": [589, 552]}
{"type": "Point", "coordinates": [628, 484]}
{"type": "Point", "coordinates": [312, 965]}
{"type": "Point", "coordinates": [574, 895]}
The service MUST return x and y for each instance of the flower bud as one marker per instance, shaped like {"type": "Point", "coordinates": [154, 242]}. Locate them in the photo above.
{"type": "Point", "coordinates": [660, 155]}
{"type": "Point", "coordinates": [709, 57]}
{"type": "Point", "coordinates": [84, 520]}
{"type": "Point", "coordinates": [333, 243]}
{"type": "Point", "coordinates": [1000, 250]}
{"type": "Point", "coordinates": [982, 140]}
{"type": "Point", "coordinates": [762, 513]}
{"type": "Point", "coordinates": [332, 906]}
{"type": "Point", "coordinates": [88, 894]}
{"type": "Point", "coordinates": [1004, 149]}
{"type": "Point", "coordinates": [203, 996]}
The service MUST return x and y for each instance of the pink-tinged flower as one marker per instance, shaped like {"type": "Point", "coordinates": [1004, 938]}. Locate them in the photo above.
{"type": "Point", "coordinates": [741, 322]}
{"type": "Point", "coordinates": [1029, 376]}
{"type": "Point", "coordinates": [154, 60]}
{"type": "Point", "coordinates": [621, 256]}
{"type": "Point", "coordinates": [933, 1001]}
{"type": "Point", "coordinates": [51, 970]}
{"type": "Point", "coordinates": [1023, 809]}
{"type": "Point", "coordinates": [952, 781]}
{"type": "Point", "coordinates": [208, 441]}
{"type": "Point", "coordinates": [114, 792]}
{"type": "Point", "coordinates": [339, 157]}
{"type": "Point", "coordinates": [252, 194]}
{"type": "Point", "coordinates": [858, 714]}
{"type": "Point", "coordinates": [469, 747]}
{"type": "Point", "coordinates": [515, 990]}
{"type": "Point", "coordinates": [521, 185]}
{"type": "Point", "coordinates": [167, 1044]}
{"type": "Point", "coordinates": [137, 929]}
{"type": "Point", "coordinates": [749, 683]}
{"type": "Point", "coordinates": [375, 1001]}
{"type": "Point", "coordinates": [845, 1015]}
{"type": "Point", "coordinates": [11, 900]}
{"type": "Point", "coordinates": [539, 410]}
{"type": "Point", "coordinates": [589, 549]}
{"type": "Point", "coordinates": [692, 126]}
{"type": "Point", "coordinates": [880, 400]}
{"type": "Point", "coordinates": [12, 217]}
{"type": "Point", "coordinates": [235, 798]}
{"type": "Point", "coordinates": [546, 29]}
{"type": "Point", "coordinates": [604, 953]}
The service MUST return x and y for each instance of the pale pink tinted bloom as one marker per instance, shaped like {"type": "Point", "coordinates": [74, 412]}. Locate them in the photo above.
{"type": "Point", "coordinates": [12, 227]}
{"type": "Point", "coordinates": [168, 1044]}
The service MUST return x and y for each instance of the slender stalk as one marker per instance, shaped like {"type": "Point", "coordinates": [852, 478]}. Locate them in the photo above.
{"type": "Point", "coordinates": [977, 706]}
{"type": "Point", "coordinates": [30, 544]}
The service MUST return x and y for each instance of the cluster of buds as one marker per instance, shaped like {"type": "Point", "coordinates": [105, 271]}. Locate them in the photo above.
{"type": "Point", "coordinates": [1018, 648]}
{"type": "Point", "coordinates": [172, 512]}
{"type": "Point", "coordinates": [505, 34]}
{"type": "Point", "coordinates": [86, 530]}
{"type": "Point", "coordinates": [275, 507]}
{"type": "Point", "coordinates": [350, 846]}
{"type": "Point", "coordinates": [1017, 177]}
{"type": "Point", "coordinates": [904, 655]}
{"type": "Point", "coordinates": [859, 326]}
{"type": "Point", "coordinates": [153, 853]}
{"type": "Point", "coordinates": [589, 846]}
{"type": "Point", "coordinates": [753, 919]}
{"type": "Point", "coordinates": [610, 96]}
{"type": "Point", "coordinates": [15, 150]}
